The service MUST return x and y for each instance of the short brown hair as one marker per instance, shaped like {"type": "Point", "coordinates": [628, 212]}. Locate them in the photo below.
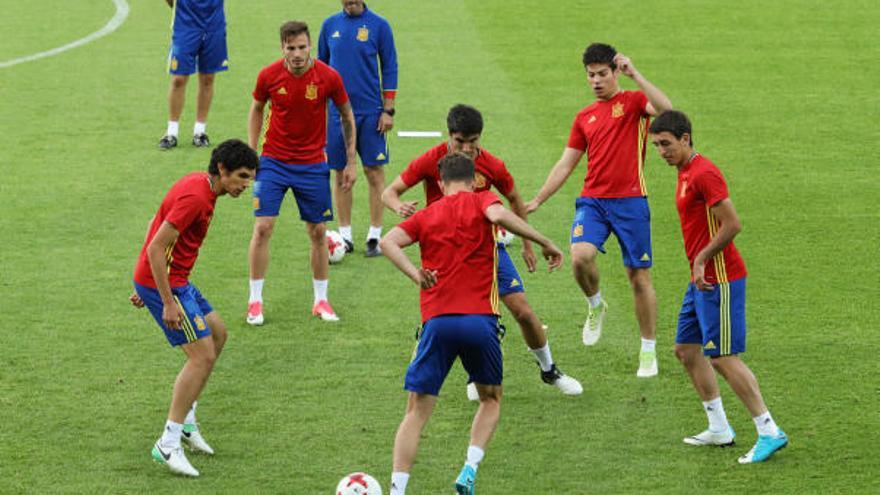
{"type": "Point", "coordinates": [456, 167]}
{"type": "Point", "coordinates": [294, 28]}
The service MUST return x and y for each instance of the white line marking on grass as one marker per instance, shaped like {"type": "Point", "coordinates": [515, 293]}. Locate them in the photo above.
{"type": "Point", "coordinates": [113, 25]}
{"type": "Point", "coordinates": [418, 134]}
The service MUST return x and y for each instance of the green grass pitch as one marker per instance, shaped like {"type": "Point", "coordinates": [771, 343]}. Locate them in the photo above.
{"type": "Point", "coordinates": [783, 96]}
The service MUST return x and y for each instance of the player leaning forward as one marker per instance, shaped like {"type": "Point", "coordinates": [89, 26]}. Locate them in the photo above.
{"type": "Point", "coordinates": [161, 282]}
{"type": "Point", "coordinates": [459, 305]}
{"type": "Point", "coordinates": [613, 133]}
{"type": "Point", "coordinates": [712, 320]}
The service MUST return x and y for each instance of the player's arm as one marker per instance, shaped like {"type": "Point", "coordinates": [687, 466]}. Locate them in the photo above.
{"type": "Point", "coordinates": [391, 199]}
{"type": "Point", "coordinates": [255, 123]}
{"type": "Point", "coordinates": [388, 61]}
{"type": "Point", "coordinates": [392, 245]}
{"type": "Point", "coordinates": [518, 207]}
{"type": "Point", "coordinates": [725, 213]}
{"type": "Point", "coordinates": [164, 239]}
{"type": "Point", "coordinates": [563, 168]}
{"type": "Point", "coordinates": [658, 102]}
{"type": "Point", "coordinates": [134, 297]}
{"type": "Point", "coordinates": [500, 215]}
{"type": "Point", "coordinates": [349, 134]}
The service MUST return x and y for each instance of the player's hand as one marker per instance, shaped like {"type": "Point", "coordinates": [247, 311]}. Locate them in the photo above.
{"type": "Point", "coordinates": [553, 256]}
{"type": "Point", "coordinates": [532, 206]}
{"type": "Point", "coordinates": [136, 300]}
{"type": "Point", "coordinates": [386, 122]}
{"type": "Point", "coordinates": [700, 276]}
{"type": "Point", "coordinates": [349, 176]}
{"type": "Point", "coordinates": [625, 65]}
{"type": "Point", "coordinates": [172, 316]}
{"type": "Point", "coordinates": [406, 208]}
{"type": "Point", "coordinates": [427, 278]}
{"type": "Point", "coordinates": [529, 257]}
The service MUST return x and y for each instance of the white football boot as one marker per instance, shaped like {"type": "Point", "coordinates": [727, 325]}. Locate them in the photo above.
{"type": "Point", "coordinates": [174, 458]}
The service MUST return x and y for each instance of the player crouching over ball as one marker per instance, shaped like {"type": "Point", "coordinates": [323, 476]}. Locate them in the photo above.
{"type": "Point", "coordinates": [459, 305]}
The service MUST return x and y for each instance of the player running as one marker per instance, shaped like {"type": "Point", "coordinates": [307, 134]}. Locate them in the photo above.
{"type": "Point", "coordinates": [465, 125]}
{"type": "Point", "coordinates": [712, 321]}
{"type": "Point", "coordinates": [161, 283]}
{"type": "Point", "coordinates": [459, 305]}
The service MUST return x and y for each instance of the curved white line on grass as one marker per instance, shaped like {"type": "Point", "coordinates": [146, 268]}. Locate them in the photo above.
{"type": "Point", "coordinates": [113, 25]}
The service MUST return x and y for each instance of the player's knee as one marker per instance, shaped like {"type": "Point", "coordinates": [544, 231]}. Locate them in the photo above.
{"type": "Point", "coordinates": [206, 80]}
{"type": "Point", "coordinates": [178, 82]}
{"type": "Point", "coordinates": [640, 280]}
{"type": "Point", "coordinates": [684, 355]}
{"type": "Point", "coordinates": [317, 233]}
{"type": "Point", "coordinates": [375, 177]}
{"type": "Point", "coordinates": [263, 231]}
{"type": "Point", "coordinates": [582, 256]}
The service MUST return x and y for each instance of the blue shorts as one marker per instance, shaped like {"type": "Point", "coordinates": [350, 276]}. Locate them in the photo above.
{"type": "Point", "coordinates": [372, 146]}
{"type": "Point", "coordinates": [509, 281]}
{"type": "Point", "coordinates": [195, 50]}
{"type": "Point", "coordinates": [628, 218]}
{"type": "Point", "coordinates": [310, 185]}
{"type": "Point", "coordinates": [476, 339]}
{"type": "Point", "coordinates": [715, 319]}
{"type": "Point", "coordinates": [193, 305]}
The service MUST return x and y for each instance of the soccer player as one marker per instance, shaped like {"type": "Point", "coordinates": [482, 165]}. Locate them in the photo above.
{"type": "Point", "coordinates": [161, 283]}
{"type": "Point", "coordinates": [613, 133]}
{"type": "Point", "coordinates": [712, 321]}
{"type": "Point", "coordinates": [198, 44]}
{"type": "Point", "coordinates": [459, 305]}
{"type": "Point", "coordinates": [355, 42]}
{"type": "Point", "coordinates": [298, 88]}
{"type": "Point", "coordinates": [465, 125]}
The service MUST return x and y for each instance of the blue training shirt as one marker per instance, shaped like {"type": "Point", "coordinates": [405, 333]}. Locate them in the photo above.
{"type": "Point", "coordinates": [356, 46]}
{"type": "Point", "coordinates": [199, 15]}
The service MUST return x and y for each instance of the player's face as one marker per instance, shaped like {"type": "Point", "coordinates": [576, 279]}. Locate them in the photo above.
{"type": "Point", "coordinates": [353, 7]}
{"type": "Point", "coordinates": [237, 181]}
{"type": "Point", "coordinates": [603, 80]}
{"type": "Point", "coordinates": [469, 145]}
{"type": "Point", "coordinates": [675, 151]}
{"type": "Point", "coordinates": [296, 50]}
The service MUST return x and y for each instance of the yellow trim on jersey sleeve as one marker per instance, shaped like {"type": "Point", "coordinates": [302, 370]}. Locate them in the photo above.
{"type": "Point", "coordinates": [643, 135]}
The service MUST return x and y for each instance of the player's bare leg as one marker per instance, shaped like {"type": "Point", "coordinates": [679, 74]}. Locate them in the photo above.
{"type": "Point", "coordinates": [376, 184]}
{"type": "Point", "coordinates": [191, 433]}
{"type": "Point", "coordinates": [320, 261]}
{"type": "Point", "coordinates": [218, 331]}
{"type": "Point", "coordinates": [482, 428]}
{"type": "Point", "coordinates": [203, 105]}
{"type": "Point", "coordinates": [742, 381]}
{"type": "Point", "coordinates": [406, 443]}
{"type": "Point", "coordinates": [703, 379]}
{"type": "Point", "coordinates": [200, 358]}
{"type": "Point", "coordinates": [258, 264]}
{"type": "Point", "coordinates": [646, 314]}
{"type": "Point", "coordinates": [344, 200]}
{"type": "Point", "coordinates": [176, 98]}
{"type": "Point", "coordinates": [586, 274]}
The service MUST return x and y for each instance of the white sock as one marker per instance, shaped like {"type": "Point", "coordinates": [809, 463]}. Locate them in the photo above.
{"type": "Point", "coordinates": [398, 483]}
{"type": "Point", "coordinates": [256, 291]}
{"type": "Point", "coordinates": [766, 426]}
{"type": "Point", "coordinates": [199, 128]}
{"type": "Point", "coordinates": [171, 435]}
{"type": "Point", "coordinates": [191, 415]}
{"type": "Point", "coordinates": [715, 412]}
{"type": "Point", "coordinates": [545, 359]}
{"type": "Point", "coordinates": [320, 289]}
{"type": "Point", "coordinates": [474, 456]}
{"type": "Point", "coordinates": [595, 299]}
{"type": "Point", "coordinates": [648, 345]}
{"type": "Point", "coordinates": [375, 233]}
{"type": "Point", "coordinates": [173, 128]}
{"type": "Point", "coordinates": [345, 232]}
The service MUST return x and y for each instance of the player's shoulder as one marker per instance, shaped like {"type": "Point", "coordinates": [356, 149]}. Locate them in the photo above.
{"type": "Point", "coordinates": [703, 167]}
{"type": "Point", "coordinates": [433, 155]}
{"type": "Point", "coordinates": [376, 18]}
{"type": "Point", "coordinates": [273, 68]}
{"type": "Point", "coordinates": [324, 69]}
{"type": "Point", "coordinates": [489, 159]}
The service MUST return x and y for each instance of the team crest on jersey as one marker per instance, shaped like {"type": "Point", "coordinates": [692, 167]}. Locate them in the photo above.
{"type": "Point", "coordinates": [479, 180]}
{"type": "Point", "coordinates": [363, 34]}
{"type": "Point", "coordinates": [577, 231]}
{"type": "Point", "coordinates": [311, 91]}
{"type": "Point", "coordinates": [617, 110]}
{"type": "Point", "coordinates": [200, 322]}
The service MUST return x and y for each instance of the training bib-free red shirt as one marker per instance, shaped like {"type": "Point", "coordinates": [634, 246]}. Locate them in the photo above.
{"type": "Point", "coordinates": [489, 171]}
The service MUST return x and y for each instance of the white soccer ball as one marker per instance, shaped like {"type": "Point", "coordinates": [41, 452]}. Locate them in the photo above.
{"type": "Point", "coordinates": [505, 237]}
{"type": "Point", "coordinates": [335, 246]}
{"type": "Point", "coordinates": [358, 484]}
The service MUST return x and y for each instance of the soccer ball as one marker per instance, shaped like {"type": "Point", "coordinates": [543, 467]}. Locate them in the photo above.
{"type": "Point", "coordinates": [505, 237]}
{"type": "Point", "coordinates": [335, 246]}
{"type": "Point", "coordinates": [358, 484]}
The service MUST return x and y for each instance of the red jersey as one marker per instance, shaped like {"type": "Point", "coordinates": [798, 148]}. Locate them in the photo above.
{"type": "Point", "coordinates": [488, 171]}
{"type": "Point", "coordinates": [297, 129]}
{"type": "Point", "coordinates": [614, 134]}
{"type": "Point", "coordinates": [458, 241]}
{"type": "Point", "coordinates": [189, 206]}
{"type": "Point", "coordinates": [701, 186]}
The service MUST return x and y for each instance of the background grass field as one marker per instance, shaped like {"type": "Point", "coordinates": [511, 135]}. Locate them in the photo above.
{"type": "Point", "coordinates": [783, 96]}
